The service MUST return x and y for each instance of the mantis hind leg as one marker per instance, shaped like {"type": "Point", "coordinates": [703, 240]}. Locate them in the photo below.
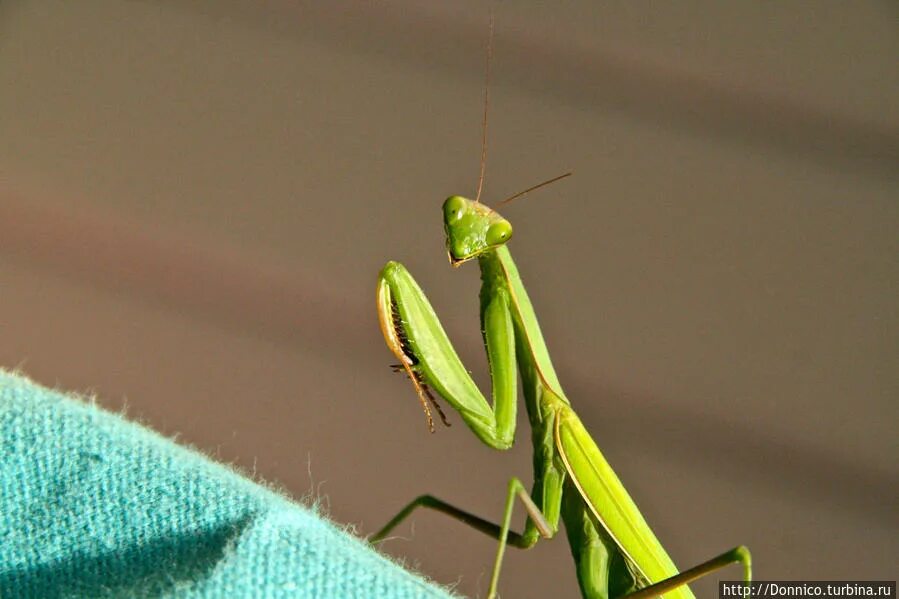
{"type": "Point", "coordinates": [603, 572]}
{"type": "Point", "coordinates": [738, 554]}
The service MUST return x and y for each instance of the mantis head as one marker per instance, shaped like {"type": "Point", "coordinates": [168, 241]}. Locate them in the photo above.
{"type": "Point", "coordinates": [472, 229]}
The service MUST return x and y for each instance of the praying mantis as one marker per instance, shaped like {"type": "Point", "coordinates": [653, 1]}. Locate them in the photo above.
{"type": "Point", "coordinates": [616, 553]}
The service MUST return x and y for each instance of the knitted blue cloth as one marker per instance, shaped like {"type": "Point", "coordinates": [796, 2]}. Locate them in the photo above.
{"type": "Point", "coordinates": [94, 506]}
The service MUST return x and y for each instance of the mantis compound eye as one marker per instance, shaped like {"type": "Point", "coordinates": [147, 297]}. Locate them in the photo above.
{"type": "Point", "coordinates": [499, 233]}
{"type": "Point", "coordinates": [453, 208]}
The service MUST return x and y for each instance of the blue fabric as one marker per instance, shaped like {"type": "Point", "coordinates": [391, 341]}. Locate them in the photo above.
{"type": "Point", "coordinates": [94, 506]}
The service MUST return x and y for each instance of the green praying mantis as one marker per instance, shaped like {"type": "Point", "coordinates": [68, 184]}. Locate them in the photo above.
{"type": "Point", "coordinates": [616, 554]}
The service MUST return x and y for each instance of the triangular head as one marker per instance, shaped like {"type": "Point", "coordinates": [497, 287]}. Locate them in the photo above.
{"type": "Point", "coordinates": [472, 229]}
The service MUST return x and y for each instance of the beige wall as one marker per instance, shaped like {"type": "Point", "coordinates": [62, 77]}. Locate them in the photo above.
{"type": "Point", "coordinates": [195, 200]}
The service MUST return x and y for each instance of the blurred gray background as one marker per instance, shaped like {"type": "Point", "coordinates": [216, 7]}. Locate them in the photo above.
{"type": "Point", "coordinates": [196, 198]}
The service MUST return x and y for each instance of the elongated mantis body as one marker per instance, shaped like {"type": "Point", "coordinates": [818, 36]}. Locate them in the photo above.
{"type": "Point", "coordinates": [616, 554]}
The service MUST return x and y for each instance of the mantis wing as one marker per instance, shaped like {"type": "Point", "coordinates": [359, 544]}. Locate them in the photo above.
{"type": "Point", "coordinates": [610, 503]}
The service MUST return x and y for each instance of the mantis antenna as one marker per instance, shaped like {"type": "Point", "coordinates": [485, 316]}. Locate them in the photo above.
{"type": "Point", "coordinates": [482, 176]}
{"type": "Point", "coordinates": [486, 110]}
{"type": "Point", "coordinates": [537, 186]}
